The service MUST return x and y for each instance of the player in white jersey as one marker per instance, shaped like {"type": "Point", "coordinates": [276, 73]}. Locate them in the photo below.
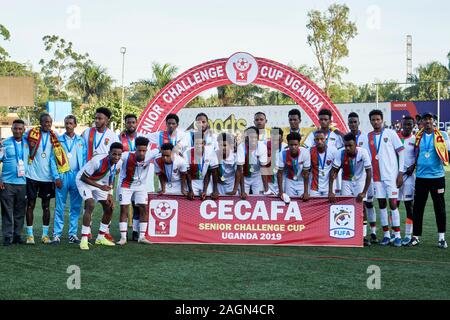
{"type": "Point", "coordinates": [128, 140]}
{"type": "Point", "coordinates": [295, 162]}
{"type": "Point", "coordinates": [202, 162]}
{"type": "Point", "coordinates": [99, 139]}
{"type": "Point", "coordinates": [322, 157]}
{"type": "Point", "coordinates": [230, 178]}
{"type": "Point", "coordinates": [369, 210]}
{"type": "Point", "coordinates": [252, 155]}
{"type": "Point", "coordinates": [333, 137]}
{"type": "Point", "coordinates": [269, 172]}
{"type": "Point", "coordinates": [357, 174]}
{"type": "Point", "coordinates": [202, 129]}
{"type": "Point", "coordinates": [172, 134]}
{"type": "Point", "coordinates": [172, 171]}
{"type": "Point", "coordinates": [386, 151]}
{"type": "Point", "coordinates": [95, 182]}
{"type": "Point", "coordinates": [406, 192]}
{"type": "Point", "coordinates": [133, 178]}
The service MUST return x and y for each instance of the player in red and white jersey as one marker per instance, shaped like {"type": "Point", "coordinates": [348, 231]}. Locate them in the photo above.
{"type": "Point", "coordinates": [333, 137]}
{"type": "Point", "coordinates": [172, 134]}
{"type": "Point", "coordinates": [253, 154]}
{"type": "Point", "coordinates": [406, 192]}
{"type": "Point", "coordinates": [203, 163]}
{"type": "Point", "coordinates": [172, 171]}
{"type": "Point", "coordinates": [386, 151]}
{"type": "Point", "coordinates": [230, 177]}
{"type": "Point", "coordinates": [369, 209]}
{"type": "Point", "coordinates": [356, 174]}
{"type": "Point", "coordinates": [322, 157]}
{"type": "Point", "coordinates": [295, 162]}
{"type": "Point", "coordinates": [133, 178]}
{"type": "Point", "coordinates": [95, 182]}
{"type": "Point", "coordinates": [269, 172]}
{"type": "Point", "coordinates": [202, 129]}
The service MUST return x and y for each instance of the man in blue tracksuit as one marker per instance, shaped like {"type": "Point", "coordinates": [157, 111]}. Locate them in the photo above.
{"type": "Point", "coordinates": [76, 151]}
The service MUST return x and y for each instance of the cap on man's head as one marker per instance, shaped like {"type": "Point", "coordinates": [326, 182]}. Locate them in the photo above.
{"type": "Point", "coordinates": [428, 114]}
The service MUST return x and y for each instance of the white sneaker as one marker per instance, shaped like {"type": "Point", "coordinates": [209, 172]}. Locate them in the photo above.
{"type": "Point", "coordinates": [122, 242]}
{"type": "Point", "coordinates": [144, 240]}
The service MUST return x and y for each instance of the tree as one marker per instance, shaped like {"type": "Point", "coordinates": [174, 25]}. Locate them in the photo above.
{"type": "Point", "coordinates": [64, 59]}
{"type": "Point", "coordinates": [329, 35]}
{"type": "Point", "coordinates": [144, 90]}
{"type": "Point", "coordinates": [4, 33]}
{"type": "Point", "coordinates": [90, 81]}
{"type": "Point", "coordinates": [432, 71]}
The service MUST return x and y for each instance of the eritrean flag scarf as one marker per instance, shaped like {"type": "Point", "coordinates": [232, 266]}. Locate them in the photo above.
{"type": "Point", "coordinates": [439, 145]}
{"type": "Point", "coordinates": [34, 139]}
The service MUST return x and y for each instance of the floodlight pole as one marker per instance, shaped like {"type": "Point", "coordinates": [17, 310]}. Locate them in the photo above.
{"type": "Point", "coordinates": [438, 104]}
{"type": "Point", "coordinates": [122, 51]}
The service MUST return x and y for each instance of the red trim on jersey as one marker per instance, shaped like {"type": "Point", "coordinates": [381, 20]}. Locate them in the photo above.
{"type": "Point", "coordinates": [373, 153]}
{"type": "Point", "coordinates": [130, 168]}
{"type": "Point", "coordinates": [288, 163]}
{"type": "Point", "coordinates": [315, 168]}
{"type": "Point", "coordinates": [102, 171]}
{"type": "Point", "coordinates": [91, 143]}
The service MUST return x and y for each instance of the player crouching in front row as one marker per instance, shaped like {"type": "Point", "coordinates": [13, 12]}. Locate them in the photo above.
{"type": "Point", "coordinates": [133, 176]}
{"type": "Point", "coordinates": [95, 182]}
{"type": "Point", "coordinates": [172, 170]}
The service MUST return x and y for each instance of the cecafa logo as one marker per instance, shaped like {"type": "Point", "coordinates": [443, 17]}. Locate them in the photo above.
{"type": "Point", "coordinates": [241, 68]}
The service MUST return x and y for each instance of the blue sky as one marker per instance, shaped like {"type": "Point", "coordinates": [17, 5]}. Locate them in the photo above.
{"type": "Point", "coordinates": [187, 33]}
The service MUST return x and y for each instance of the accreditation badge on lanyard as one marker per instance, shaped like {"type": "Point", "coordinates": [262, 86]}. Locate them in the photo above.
{"type": "Point", "coordinates": [19, 159]}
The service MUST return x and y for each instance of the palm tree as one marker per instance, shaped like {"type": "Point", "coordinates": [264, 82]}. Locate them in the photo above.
{"type": "Point", "coordinates": [91, 82]}
{"type": "Point", "coordinates": [144, 90]}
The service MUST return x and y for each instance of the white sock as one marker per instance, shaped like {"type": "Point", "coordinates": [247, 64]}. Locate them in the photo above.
{"type": "Point", "coordinates": [441, 236]}
{"type": "Point", "coordinates": [364, 229]}
{"type": "Point", "coordinates": [395, 218]}
{"type": "Point", "coordinates": [397, 234]}
{"type": "Point", "coordinates": [136, 225]}
{"type": "Point", "coordinates": [123, 227]}
{"type": "Point", "coordinates": [102, 230]}
{"type": "Point", "coordinates": [85, 231]}
{"type": "Point", "coordinates": [384, 217]}
{"type": "Point", "coordinates": [142, 229]}
{"type": "Point", "coordinates": [408, 230]}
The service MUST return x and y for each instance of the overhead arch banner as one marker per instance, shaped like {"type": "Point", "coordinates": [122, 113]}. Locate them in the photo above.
{"type": "Point", "coordinates": [241, 69]}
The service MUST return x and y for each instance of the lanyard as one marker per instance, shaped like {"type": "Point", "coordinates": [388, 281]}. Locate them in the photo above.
{"type": "Point", "coordinates": [357, 137]}
{"type": "Point", "coordinates": [322, 163]}
{"type": "Point", "coordinates": [169, 177]}
{"type": "Point", "coordinates": [45, 141]}
{"type": "Point", "coordinates": [72, 144]}
{"type": "Point", "coordinates": [379, 141]}
{"type": "Point", "coordinates": [112, 173]}
{"type": "Point", "coordinates": [132, 146]}
{"type": "Point", "coordinates": [428, 143]}
{"type": "Point", "coordinates": [200, 168]}
{"type": "Point", "coordinates": [96, 145]}
{"type": "Point", "coordinates": [17, 151]}
{"type": "Point", "coordinates": [295, 164]}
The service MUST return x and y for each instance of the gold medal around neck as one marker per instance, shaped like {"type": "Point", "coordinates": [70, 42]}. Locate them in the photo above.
{"type": "Point", "coordinates": [43, 155]}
